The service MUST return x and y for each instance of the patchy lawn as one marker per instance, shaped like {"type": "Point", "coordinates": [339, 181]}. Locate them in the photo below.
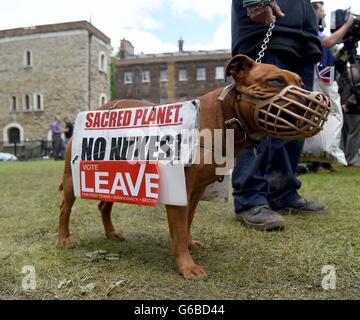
{"type": "Point", "coordinates": [241, 263]}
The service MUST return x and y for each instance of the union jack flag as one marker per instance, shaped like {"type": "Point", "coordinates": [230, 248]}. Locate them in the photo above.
{"type": "Point", "coordinates": [325, 74]}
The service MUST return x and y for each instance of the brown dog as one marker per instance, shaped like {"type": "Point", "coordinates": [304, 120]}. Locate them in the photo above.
{"type": "Point", "coordinates": [250, 78]}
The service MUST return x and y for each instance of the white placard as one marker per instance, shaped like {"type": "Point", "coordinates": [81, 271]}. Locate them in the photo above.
{"type": "Point", "coordinates": [166, 134]}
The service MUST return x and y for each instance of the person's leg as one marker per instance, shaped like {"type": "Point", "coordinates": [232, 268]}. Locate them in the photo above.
{"type": "Point", "coordinates": [274, 182]}
{"type": "Point", "coordinates": [57, 147]}
{"type": "Point", "coordinates": [250, 185]}
{"type": "Point", "coordinates": [283, 185]}
{"type": "Point", "coordinates": [352, 140]}
{"type": "Point", "coordinates": [344, 133]}
{"type": "Point", "coordinates": [54, 144]}
{"type": "Point", "coordinates": [62, 148]}
{"type": "Point", "coordinates": [251, 188]}
{"type": "Point", "coordinates": [248, 178]}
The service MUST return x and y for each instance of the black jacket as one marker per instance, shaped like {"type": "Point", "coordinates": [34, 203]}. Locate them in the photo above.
{"type": "Point", "coordinates": [295, 34]}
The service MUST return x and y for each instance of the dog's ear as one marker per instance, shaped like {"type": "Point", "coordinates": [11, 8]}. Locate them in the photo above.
{"type": "Point", "coordinates": [239, 64]}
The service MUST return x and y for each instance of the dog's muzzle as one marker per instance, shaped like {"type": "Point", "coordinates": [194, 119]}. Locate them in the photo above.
{"type": "Point", "coordinates": [292, 114]}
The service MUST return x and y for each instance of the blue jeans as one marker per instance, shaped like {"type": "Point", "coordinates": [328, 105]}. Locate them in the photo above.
{"type": "Point", "coordinates": [265, 174]}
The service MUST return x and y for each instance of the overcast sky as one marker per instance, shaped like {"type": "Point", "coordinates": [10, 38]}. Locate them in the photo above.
{"type": "Point", "coordinates": [151, 25]}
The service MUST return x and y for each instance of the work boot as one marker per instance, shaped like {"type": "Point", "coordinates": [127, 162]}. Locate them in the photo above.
{"type": "Point", "coordinates": [261, 218]}
{"type": "Point", "coordinates": [303, 206]}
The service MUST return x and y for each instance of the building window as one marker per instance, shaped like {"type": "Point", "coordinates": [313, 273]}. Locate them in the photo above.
{"type": "Point", "coordinates": [13, 133]}
{"type": "Point", "coordinates": [28, 59]}
{"type": "Point", "coordinates": [39, 102]}
{"type": "Point", "coordinates": [201, 74]}
{"type": "Point", "coordinates": [13, 107]}
{"type": "Point", "coordinates": [27, 106]}
{"type": "Point", "coordinates": [219, 73]}
{"type": "Point", "coordinates": [103, 99]}
{"type": "Point", "coordinates": [163, 75]}
{"type": "Point", "coordinates": [146, 76]}
{"type": "Point", "coordinates": [128, 77]}
{"type": "Point", "coordinates": [102, 62]}
{"type": "Point", "coordinates": [183, 75]}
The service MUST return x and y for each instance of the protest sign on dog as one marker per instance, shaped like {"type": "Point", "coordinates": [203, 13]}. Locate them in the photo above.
{"type": "Point", "coordinates": [135, 155]}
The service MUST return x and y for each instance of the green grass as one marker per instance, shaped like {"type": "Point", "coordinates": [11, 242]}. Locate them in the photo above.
{"type": "Point", "coordinates": [241, 263]}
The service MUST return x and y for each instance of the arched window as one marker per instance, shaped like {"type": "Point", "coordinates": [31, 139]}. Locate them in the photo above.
{"type": "Point", "coordinates": [38, 102]}
{"type": "Point", "coordinates": [27, 103]}
{"type": "Point", "coordinates": [103, 99]}
{"type": "Point", "coordinates": [27, 59]}
{"type": "Point", "coordinates": [13, 133]}
{"type": "Point", "coordinates": [102, 62]}
{"type": "Point", "coordinates": [13, 107]}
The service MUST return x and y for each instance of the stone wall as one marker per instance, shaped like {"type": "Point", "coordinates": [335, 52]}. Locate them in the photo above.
{"type": "Point", "coordinates": [100, 79]}
{"type": "Point", "coordinates": [59, 72]}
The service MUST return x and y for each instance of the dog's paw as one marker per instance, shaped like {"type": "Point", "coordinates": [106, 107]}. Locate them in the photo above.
{"type": "Point", "coordinates": [193, 272]}
{"type": "Point", "coordinates": [66, 243]}
{"type": "Point", "coordinates": [189, 270]}
{"type": "Point", "coordinates": [115, 235]}
{"type": "Point", "coordinates": [195, 245]}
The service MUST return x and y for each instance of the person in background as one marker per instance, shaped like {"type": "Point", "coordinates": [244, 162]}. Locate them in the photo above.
{"type": "Point", "coordinates": [68, 131]}
{"type": "Point", "coordinates": [327, 60]}
{"type": "Point", "coordinates": [264, 182]}
{"type": "Point", "coordinates": [57, 142]}
{"type": "Point", "coordinates": [350, 100]}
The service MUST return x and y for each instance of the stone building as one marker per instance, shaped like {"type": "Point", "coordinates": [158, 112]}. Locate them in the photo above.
{"type": "Point", "coordinates": [47, 70]}
{"type": "Point", "coordinates": [168, 77]}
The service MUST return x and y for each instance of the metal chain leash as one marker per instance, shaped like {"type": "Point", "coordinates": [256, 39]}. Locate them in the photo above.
{"type": "Point", "coordinates": [266, 41]}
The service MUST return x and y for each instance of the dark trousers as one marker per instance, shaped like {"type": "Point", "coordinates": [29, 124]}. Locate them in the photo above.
{"type": "Point", "coordinates": [265, 174]}
{"type": "Point", "coordinates": [58, 147]}
{"type": "Point", "coordinates": [351, 137]}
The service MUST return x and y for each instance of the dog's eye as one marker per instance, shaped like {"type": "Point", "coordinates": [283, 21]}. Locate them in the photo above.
{"type": "Point", "coordinates": [277, 82]}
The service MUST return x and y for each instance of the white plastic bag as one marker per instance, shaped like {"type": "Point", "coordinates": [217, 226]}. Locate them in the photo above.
{"type": "Point", "coordinates": [325, 146]}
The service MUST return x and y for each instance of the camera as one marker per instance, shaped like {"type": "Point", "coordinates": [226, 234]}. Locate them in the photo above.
{"type": "Point", "coordinates": [349, 85]}
{"type": "Point", "coordinates": [352, 37]}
